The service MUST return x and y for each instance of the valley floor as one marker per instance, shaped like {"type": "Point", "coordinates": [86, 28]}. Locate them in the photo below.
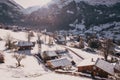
{"type": "Point", "coordinates": [32, 69]}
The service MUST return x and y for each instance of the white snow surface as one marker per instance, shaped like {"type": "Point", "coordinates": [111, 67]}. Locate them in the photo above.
{"type": "Point", "coordinates": [86, 55]}
{"type": "Point", "coordinates": [31, 69]}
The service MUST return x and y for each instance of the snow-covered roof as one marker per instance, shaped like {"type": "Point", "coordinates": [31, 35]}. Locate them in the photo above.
{"type": "Point", "coordinates": [60, 62]}
{"type": "Point", "coordinates": [24, 43]}
{"type": "Point", "coordinates": [27, 52]}
{"type": "Point", "coordinates": [61, 38]}
{"type": "Point", "coordinates": [50, 53]}
{"type": "Point", "coordinates": [105, 66]}
{"type": "Point", "coordinates": [61, 51]}
{"type": "Point", "coordinates": [87, 62]}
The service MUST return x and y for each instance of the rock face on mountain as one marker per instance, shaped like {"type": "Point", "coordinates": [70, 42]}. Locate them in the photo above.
{"type": "Point", "coordinates": [10, 12]}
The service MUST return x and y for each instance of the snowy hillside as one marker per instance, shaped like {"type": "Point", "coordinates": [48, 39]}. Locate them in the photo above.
{"type": "Point", "coordinates": [100, 2]}
{"type": "Point", "coordinates": [108, 30]}
{"type": "Point", "coordinates": [92, 2]}
{"type": "Point", "coordinates": [32, 69]}
{"type": "Point", "coordinates": [61, 13]}
{"type": "Point", "coordinates": [62, 3]}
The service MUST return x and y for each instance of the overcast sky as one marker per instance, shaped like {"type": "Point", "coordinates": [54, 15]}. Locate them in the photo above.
{"type": "Point", "coordinates": [29, 3]}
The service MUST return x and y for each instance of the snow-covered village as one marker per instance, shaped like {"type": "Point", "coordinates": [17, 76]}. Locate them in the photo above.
{"type": "Point", "coordinates": [59, 40]}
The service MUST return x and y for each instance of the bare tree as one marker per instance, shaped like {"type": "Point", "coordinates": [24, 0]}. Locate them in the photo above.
{"type": "Point", "coordinates": [19, 58]}
{"type": "Point", "coordinates": [9, 41]}
{"type": "Point", "coordinates": [38, 36]}
{"type": "Point", "coordinates": [50, 41]}
{"type": "Point", "coordinates": [28, 36]}
{"type": "Point", "coordinates": [107, 48]}
{"type": "Point", "coordinates": [45, 37]}
{"type": "Point", "coordinates": [81, 43]}
{"type": "Point", "coordinates": [39, 41]}
{"type": "Point", "coordinates": [65, 37]}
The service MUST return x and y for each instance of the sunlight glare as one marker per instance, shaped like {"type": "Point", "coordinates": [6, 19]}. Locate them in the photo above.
{"type": "Point", "coordinates": [29, 3]}
{"type": "Point", "coordinates": [44, 2]}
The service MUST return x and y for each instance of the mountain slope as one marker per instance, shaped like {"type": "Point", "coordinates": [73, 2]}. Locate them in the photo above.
{"type": "Point", "coordinates": [100, 2]}
{"type": "Point", "coordinates": [10, 11]}
{"type": "Point", "coordinates": [31, 9]}
{"type": "Point", "coordinates": [55, 16]}
{"type": "Point", "coordinates": [61, 13]}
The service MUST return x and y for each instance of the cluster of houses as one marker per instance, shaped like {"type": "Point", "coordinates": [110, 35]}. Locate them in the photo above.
{"type": "Point", "coordinates": [14, 28]}
{"type": "Point", "coordinates": [56, 59]}
{"type": "Point", "coordinates": [96, 67]}
{"type": "Point", "coordinates": [99, 67]}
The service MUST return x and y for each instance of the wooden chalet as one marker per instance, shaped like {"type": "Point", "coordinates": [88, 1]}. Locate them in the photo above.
{"type": "Point", "coordinates": [60, 39]}
{"type": "Point", "coordinates": [62, 52]}
{"type": "Point", "coordinates": [49, 55]}
{"type": "Point", "coordinates": [86, 66]}
{"type": "Point", "coordinates": [97, 68]}
{"type": "Point", "coordinates": [25, 45]}
{"type": "Point", "coordinates": [59, 63]}
{"type": "Point", "coordinates": [104, 68]}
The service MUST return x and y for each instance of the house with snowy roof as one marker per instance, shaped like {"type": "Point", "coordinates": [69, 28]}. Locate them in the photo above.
{"type": "Point", "coordinates": [104, 68]}
{"type": "Point", "coordinates": [62, 52]}
{"type": "Point", "coordinates": [49, 55]}
{"type": "Point", "coordinates": [97, 67]}
{"type": "Point", "coordinates": [59, 63]}
{"type": "Point", "coordinates": [25, 45]}
{"type": "Point", "coordinates": [60, 39]}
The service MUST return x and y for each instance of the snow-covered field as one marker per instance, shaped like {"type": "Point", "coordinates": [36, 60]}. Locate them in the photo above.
{"type": "Point", "coordinates": [86, 55]}
{"type": "Point", "coordinates": [31, 69]}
